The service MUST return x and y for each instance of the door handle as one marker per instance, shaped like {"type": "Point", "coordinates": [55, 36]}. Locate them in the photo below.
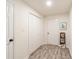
{"type": "Point", "coordinates": [11, 40]}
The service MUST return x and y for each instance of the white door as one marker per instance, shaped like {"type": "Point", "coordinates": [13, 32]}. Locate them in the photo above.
{"type": "Point", "coordinates": [9, 41]}
{"type": "Point", "coordinates": [35, 32]}
{"type": "Point", "coordinates": [17, 30]}
{"type": "Point", "coordinates": [51, 31]}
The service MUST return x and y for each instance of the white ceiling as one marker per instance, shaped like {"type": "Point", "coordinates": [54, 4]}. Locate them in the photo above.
{"type": "Point", "coordinates": [57, 7]}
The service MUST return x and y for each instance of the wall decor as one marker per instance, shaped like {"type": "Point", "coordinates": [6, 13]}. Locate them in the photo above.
{"type": "Point", "coordinates": [63, 25]}
{"type": "Point", "coordinates": [62, 38]}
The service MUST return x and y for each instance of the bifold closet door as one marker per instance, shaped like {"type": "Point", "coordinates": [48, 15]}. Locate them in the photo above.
{"type": "Point", "coordinates": [35, 32]}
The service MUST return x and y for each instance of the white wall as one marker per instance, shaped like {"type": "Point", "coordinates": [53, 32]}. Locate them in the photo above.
{"type": "Point", "coordinates": [28, 30]}
{"type": "Point", "coordinates": [52, 26]}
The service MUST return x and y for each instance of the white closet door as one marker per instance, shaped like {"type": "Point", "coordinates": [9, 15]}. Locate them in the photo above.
{"type": "Point", "coordinates": [35, 32]}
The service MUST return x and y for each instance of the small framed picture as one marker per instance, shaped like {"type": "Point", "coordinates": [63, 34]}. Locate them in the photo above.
{"type": "Point", "coordinates": [63, 25]}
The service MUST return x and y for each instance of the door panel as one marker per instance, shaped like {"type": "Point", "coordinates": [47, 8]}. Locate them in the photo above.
{"type": "Point", "coordinates": [51, 31]}
{"type": "Point", "coordinates": [35, 32]}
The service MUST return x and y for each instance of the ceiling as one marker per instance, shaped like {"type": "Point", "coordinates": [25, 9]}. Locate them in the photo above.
{"type": "Point", "coordinates": [57, 7]}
